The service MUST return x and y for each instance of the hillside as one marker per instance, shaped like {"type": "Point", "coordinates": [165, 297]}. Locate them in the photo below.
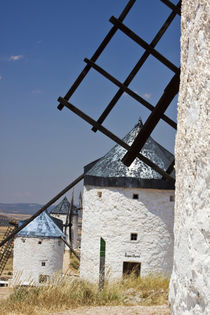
{"type": "Point", "coordinates": [22, 208]}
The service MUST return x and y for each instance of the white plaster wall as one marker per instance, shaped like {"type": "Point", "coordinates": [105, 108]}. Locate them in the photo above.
{"type": "Point", "coordinates": [190, 282]}
{"type": "Point", "coordinates": [63, 218]}
{"type": "Point", "coordinates": [115, 215]}
{"type": "Point", "coordinates": [74, 231]}
{"type": "Point", "coordinates": [28, 255]}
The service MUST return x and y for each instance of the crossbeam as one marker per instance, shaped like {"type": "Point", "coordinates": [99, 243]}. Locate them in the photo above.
{"type": "Point", "coordinates": [169, 93]}
{"type": "Point", "coordinates": [47, 205]}
{"type": "Point", "coordinates": [112, 136]}
{"type": "Point", "coordinates": [129, 91]}
{"type": "Point", "coordinates": [143, 44]}
{"type": "Point", "coordinates": [98, 52]}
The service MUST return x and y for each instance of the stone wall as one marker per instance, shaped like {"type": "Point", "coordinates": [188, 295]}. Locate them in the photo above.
{"type": "Point", "coordinates": [29, 256]}
{"type": "Point", "coordinates": [113, 214]}
{"type": "Point", "coordinates": [190, 282]}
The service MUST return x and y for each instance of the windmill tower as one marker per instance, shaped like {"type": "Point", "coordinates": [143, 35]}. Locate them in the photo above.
{"type": "Point", "coordinates": [68, 213]}
{"type": "Point", "coordinates": [38, 251]}
{"type": "Point", "coordinates": [128, 215]}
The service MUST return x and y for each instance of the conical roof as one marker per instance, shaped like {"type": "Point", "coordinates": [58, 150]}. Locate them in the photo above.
{"type": "Point", "coordinates": [110, 171]}
{"type": "Point", "coordinates": [41, 226]}
{"type": "Point", "coordinates": [62, 207]}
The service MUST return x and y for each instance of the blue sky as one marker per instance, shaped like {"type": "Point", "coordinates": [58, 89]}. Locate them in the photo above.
{"type": "Point", "coordinates": [43, 44]}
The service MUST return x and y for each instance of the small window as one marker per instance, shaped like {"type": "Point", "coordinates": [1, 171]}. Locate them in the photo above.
{"type": "Point", "coordinates": [99, 193]}
{"type": "Point", "coordinates": [23, 240]}
{"type": "Point", "coordinates": [134, 236]}
{"type": "Point", "coordinates": [135, 196]}
{"type": "Point", "coordinates": [39, 242]}
{"type": "Point", "coordinates": [59, 242]}
{"type": "Point", "coordinates": [43, 263]}
{"type": "Point", "coordinates": [43, 278]}
{"type": "Point", "coordinates": [172, 198]}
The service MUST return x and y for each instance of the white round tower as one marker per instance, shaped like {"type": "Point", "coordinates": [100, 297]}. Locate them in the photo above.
{"type": "Point", "coordinates": [128, 215]}
{"type": "Point", "coordinates": [38, 251]}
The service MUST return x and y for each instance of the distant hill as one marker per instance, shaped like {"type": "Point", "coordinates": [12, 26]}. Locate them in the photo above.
{"type": "Point", "coordinates": [21, 208]}
{"type": "Point", "coordinates": [4, 220]}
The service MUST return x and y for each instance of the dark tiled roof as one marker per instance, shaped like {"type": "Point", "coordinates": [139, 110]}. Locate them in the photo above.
{"type": "Point", "coordinates": [110, 171]}
{"type": "Point", "coordinates": [41, 226]}
{"type": "Point", "coordinates": [62, 207]}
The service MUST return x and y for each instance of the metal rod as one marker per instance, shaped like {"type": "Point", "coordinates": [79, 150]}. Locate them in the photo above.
{"type": "Point", "coordinates": [47, 205]}
{"type": "Point", "coordinates": [137, 67]}
{"type": "Point", "coordinates": [169, 93]}
{"type": "Point", "coordinates": [129, 91]}
{"type": "Point", "coordinates": [97, 53]}
{"type": "Point", "coordinates": [114, 137]}
{"type": "Point", "coordinates": [172, 6]}
{"type": "Point", "coordinates": [143, 44]}
{"type": "Point", "coordinates": [71, 248]}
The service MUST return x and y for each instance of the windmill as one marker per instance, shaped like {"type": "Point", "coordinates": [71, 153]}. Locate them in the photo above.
{"type": "Point", "coordinates": [157, 111]}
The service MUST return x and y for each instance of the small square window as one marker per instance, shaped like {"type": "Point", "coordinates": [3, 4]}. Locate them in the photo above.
{"type": "Point", "coordinates": [43, 278]}
{"type": "Point", "coordinates": [134, 236]}
{"type": "Point", "coordinates": [39, 242]}
{"type": "Point", "coordinates": [135, 196]}
{"type": "Point", "coordinates": [172, 198]}
{"type": "Point", "coordinates": [99, 193]}
{"type": "Point", "coordinates": [43, 263]}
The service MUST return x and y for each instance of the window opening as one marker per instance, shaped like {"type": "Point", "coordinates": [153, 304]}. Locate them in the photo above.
{"type": "Point", "coordinates": [134, 236]}
{"type": "Point", "coordinates": [43, 263]}
{"type": "Point", "coordinates": [135, 196]}
{"type": "Point", "coordinates": [133, 268]}
{"type": "Point", "coordinates": [99, 193]}
{"type": "Point", "coordinates": [172, 198]}
{"type": "Point", "coordinates": [43, 278]}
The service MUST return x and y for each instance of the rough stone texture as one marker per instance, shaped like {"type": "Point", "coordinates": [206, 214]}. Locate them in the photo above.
{"type": "Point", "coordinates": [29, 255]}
{"type": "Point", "coordinates": [190, 282]}
{"type": "Point", "coordinates": [114, 216]}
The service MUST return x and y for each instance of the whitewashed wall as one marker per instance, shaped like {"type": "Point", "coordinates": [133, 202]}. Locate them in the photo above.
{"type": "Point", "coordinates": [115, 215]}
{"type": "Point", "coordinates": [74, 230]}
{"type": "Point", "coordinates": [190, 282]}
{"type": "Point", "coordinates": [62, 217]}
{"type": "Point", "coordinates": [29, 255]}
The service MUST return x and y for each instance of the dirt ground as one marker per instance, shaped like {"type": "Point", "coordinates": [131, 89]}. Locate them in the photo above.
{"type": "Point", "coordinates": [118, 310]}
{"type": "Point", "coordinates": [5, 292]}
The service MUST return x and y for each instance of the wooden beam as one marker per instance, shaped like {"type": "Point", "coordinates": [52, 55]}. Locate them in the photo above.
{"type": "Point", "coordinates": [71, 248]}
{"type": "Point", "coordinates": [169, 93]}
{"type": "Point", "coordinates": [129, 91]}
{"type": "Point", "coordinates": [143, 44]}
{"type": "Point", "coordinates": [136, 68]}
{"type": "Point", "coordinates": [171, 167]}
{"type": "Point", "coordinates": [97, 53]}
{"type": "Point", "coordinates": [47, 205]}
{"type": "Point", "coordinates": [112, 136]}
{"type": "Point", "coordinates": [175, 8]}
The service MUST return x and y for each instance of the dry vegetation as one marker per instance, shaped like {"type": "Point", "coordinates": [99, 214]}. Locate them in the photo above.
{"type": "Point", "coordinates": [68, 293]}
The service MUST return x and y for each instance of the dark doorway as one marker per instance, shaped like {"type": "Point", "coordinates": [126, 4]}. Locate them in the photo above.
{"type": "Point", "coordinates": [131, 268]}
